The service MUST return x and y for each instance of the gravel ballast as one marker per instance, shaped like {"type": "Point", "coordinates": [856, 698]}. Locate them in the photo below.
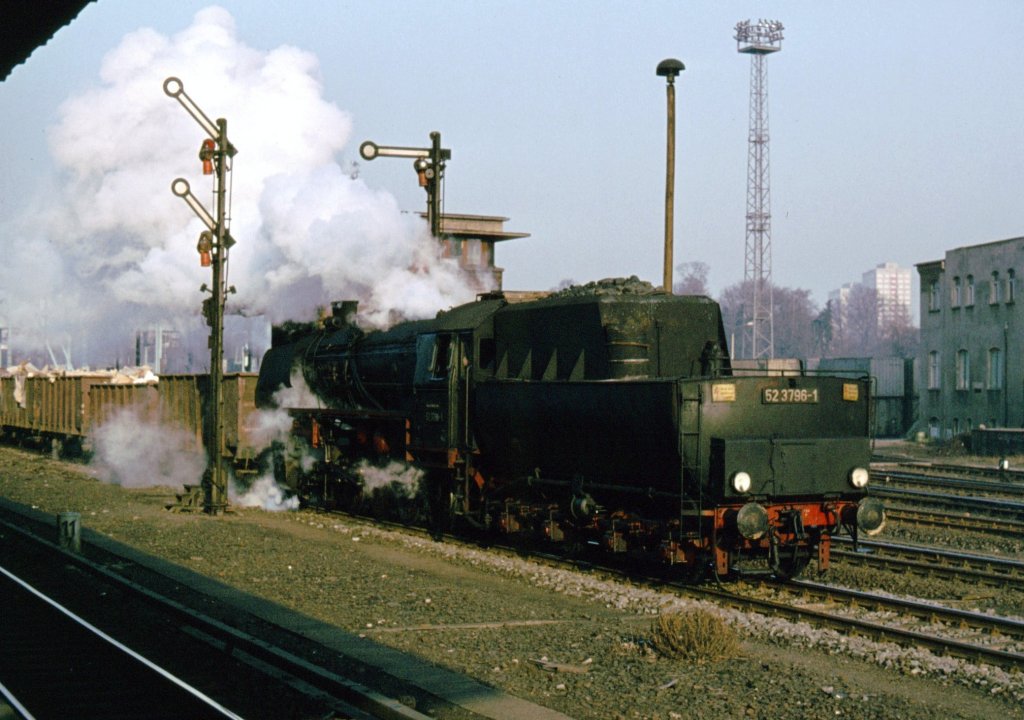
{"type": "Point", "coordinates": [568, 640]}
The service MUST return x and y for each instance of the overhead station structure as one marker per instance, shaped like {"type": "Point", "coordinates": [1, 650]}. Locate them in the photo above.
{"type": "Point", "coordinates": [759, 40]}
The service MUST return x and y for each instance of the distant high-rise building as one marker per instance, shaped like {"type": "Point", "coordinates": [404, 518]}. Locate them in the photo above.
{"type": "Point", "coordinates": [840, 297]}
{"type": "Point", "coordinates": [891, 284]}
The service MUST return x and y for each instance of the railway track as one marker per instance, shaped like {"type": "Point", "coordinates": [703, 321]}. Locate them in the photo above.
{"type": "Point", "coordinates": [975, 637]}
{"type": "Point", "coordinates": [955, 521]}
{"type": "Point", "coordinates": [948, 470]}
{"type": "Point", "coordinates": [57, 664]}
{"type": "Point", "coordinates": [932, 562]}
{"type": "Point", "coordinates": [1006, 487]}
{"type": "Point", "coordinates": [974, 513]}
{"type": "Point", "coordinates": [996, 508]}
{"type": "Point", "coordinates": [252, 663]}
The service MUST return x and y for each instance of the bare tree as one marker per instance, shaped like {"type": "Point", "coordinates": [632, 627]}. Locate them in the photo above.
{"type": "Point", "coordinates": [860, 323]}
{"type": "Point", "coordinates": [792, 319]}
{"type": "Point", "coordinates": [898, 336]}
{"type": "Point", "coordinates": [733, 303]}
{"type": "Point", "coordinates": [823, 327]}
{"type": "Point", "coordinates": [694, 279]}
{"type": "Point", "coordinates": [859, 329]}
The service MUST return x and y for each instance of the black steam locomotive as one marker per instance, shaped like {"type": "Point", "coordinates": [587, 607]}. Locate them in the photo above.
{"type": "Point", "coordinates": [604, 416]}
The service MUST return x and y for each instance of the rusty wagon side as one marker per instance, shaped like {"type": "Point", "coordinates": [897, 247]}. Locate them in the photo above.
{"type": "Point", "coordinates": [64, 411]}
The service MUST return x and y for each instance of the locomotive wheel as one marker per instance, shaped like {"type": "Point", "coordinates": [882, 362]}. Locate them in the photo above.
{"type": "Point", "coordinates": [438, 490]}
{"type": "Point", "coordinates": [697, 571]}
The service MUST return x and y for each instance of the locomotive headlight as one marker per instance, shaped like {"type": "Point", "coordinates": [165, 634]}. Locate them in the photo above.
{"type": "Point", "coordinates": [741, 482]}
{"type": "Point", "coordinates": [859, 477]}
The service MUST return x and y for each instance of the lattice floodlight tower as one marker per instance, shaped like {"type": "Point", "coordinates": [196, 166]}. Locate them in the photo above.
{"type": "Point", "coordinates": [758, 40]}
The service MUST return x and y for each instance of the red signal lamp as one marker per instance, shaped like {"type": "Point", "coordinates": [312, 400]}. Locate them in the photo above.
{"type": "Point", "coordinates": [205, 248]}
{"type": "Point", "coordinates": [206, 155]}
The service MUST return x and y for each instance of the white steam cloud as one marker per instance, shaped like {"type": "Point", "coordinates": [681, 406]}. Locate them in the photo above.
{"type": "Point", "coordinates": [269, 427]}
{"type": "Point", "coordinates": [405, 479]}
{"type": "Point", "coordinates": [265, 493]}
{"type": "Point", "coordinates": [112, 249]}
{"type": "Point", "coordinates": [134, 453]}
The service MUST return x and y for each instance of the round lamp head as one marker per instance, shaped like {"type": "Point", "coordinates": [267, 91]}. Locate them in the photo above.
{"type": "Point", "coordinates": [670, 68]}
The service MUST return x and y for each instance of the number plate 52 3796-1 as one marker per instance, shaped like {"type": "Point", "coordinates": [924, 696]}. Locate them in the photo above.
{"type": "Point", "coordinates": [781, 396]}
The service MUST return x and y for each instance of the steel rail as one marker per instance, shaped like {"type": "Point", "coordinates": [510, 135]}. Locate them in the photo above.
{"type": "Point", "coordinates": [156, 677]}
{"type": "Point", "coordinates": [990, 505]}
{"type": "Point", "coordinates": [882, 477]}
{"type": "Point", "coordinates": [247, 648]}
{"type": "Point", "coordinates": [930, 612]}
{"type": "Point", "coordinates": [877, 631]}
{"type": "Point", "coordinates": [934, 562]}
{"type": "Point", "coordinates": [955, 520]}
{"type": "Point", "coordinates": [951, 469]}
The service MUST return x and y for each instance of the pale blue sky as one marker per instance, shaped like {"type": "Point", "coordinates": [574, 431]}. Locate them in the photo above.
{"type": "Point", "coordinates": [895, 126]}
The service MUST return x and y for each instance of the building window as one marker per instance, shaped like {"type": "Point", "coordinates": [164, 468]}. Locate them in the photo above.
{"type": "Point", "coordinates": [1011, 286]}
{"type": "Point", "coordinates": [995, 293]}
{"type": "Point", "coordinates": [933, 297]}
{"type": "Point", "coordinates": [963, 370]}
{"type": "Point", "coordinates": [473, 252]}
{"type": "Point", "coordinates": [995, 369]}
{"type": "Point", "coordinates": [933, 370]}
{"type": "Point", "coordinates": [969, 291]}
{"type": "Point", "coordinates": [956, 426]}
{"type": "Point", "coordinates": [957, 295]}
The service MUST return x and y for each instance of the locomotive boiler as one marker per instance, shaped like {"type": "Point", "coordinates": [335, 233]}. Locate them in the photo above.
{"type": "Point", "coordinates": [606, 416]}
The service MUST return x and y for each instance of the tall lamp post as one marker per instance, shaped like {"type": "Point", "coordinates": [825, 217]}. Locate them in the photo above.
{"type": "Point", "coordinates": [214, 243]}
{"type": "Point", "coordinates": [670, 69]}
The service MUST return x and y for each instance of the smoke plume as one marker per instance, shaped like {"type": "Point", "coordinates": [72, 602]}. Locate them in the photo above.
{"type": "Point", "coordinates": [111, 249]}
{"type": "Point", "coordinates": [133, 453]}
{"type": "Point", "coordinates": [403, 479]}
{"type": "Point", "coordinates": [265, 493]}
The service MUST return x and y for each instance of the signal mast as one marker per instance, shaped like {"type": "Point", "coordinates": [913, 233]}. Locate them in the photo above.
{"type": "Point", "coordinates": [215, 153]}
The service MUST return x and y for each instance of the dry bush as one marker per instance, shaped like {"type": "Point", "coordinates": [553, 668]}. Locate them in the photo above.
{"type": "Point", "coordinates": [694, 634]}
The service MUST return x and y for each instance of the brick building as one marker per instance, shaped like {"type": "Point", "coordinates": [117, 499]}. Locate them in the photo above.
{"type": "Point", "coordinates": [470, 240]}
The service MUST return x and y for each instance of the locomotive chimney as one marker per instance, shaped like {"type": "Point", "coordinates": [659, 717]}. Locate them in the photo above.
{"type": "Point", "coordinates": [344, 311]}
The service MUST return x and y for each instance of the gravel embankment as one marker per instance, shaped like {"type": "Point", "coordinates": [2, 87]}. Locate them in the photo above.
{"type": "Point", "coordinates": [503, 619]}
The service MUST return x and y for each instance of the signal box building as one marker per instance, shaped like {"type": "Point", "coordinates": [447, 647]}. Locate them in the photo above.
{"type": "Point", "coordinates": [470, 240]}
{"type": "Point", "coordinates": [971, 361]}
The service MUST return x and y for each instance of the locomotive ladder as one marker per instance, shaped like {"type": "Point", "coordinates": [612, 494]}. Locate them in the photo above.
{"type": "Point", "coordinates": [690, 401]}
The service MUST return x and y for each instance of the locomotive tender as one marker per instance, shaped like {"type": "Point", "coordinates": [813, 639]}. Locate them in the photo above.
{"type": "Point", "coordinates": [607, 415]}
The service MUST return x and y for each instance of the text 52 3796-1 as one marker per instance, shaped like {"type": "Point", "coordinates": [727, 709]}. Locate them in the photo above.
{"type": "Point", "coordinates": [776, 396]}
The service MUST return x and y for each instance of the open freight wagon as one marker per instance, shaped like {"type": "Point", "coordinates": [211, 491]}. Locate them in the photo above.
{"type": "Point", "coordinates": [64, 411]}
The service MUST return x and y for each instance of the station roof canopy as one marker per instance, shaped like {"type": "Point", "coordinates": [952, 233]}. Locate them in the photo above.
{"type": "Point", "coordinates": [29, 25]}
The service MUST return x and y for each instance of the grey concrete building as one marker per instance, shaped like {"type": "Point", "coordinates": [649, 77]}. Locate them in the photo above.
{"type": "Point", "coordinates": [971, 361]}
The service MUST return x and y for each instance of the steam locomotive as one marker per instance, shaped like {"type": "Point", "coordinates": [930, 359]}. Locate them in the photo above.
{"type": "Point", "coordinates": [607, 416]}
